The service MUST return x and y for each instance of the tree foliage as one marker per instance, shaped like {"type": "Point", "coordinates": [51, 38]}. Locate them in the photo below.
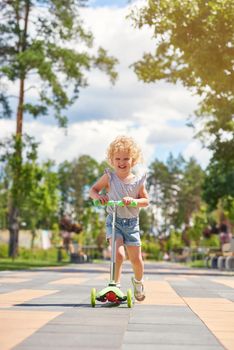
{"type": "Point", "coordinates": [29, 188]}
{"type": "Point", "coordinates": [45, 48]}
{"type": "Point", "coordinates": [189, 196]}
{"type": "Point", "coordinates": [175, 188]}
{"type": "Point", "coordinates": [74, 180]}
{"type": "Point", "coordinates": [219, 186]}
{"type": "Point", "coordinates": [40, 206]}
{"type": "Point", "coordinates": [195, 46]}
{"type": "Point", "coordinates": [43, 43]}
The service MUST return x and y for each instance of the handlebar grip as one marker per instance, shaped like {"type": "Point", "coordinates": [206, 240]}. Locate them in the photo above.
{"type": "Point", "coordinates": [97, 203]}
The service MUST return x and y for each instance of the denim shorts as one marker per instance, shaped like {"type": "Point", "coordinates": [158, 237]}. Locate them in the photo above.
{"type": "Point", "coordinates": [126, 229]}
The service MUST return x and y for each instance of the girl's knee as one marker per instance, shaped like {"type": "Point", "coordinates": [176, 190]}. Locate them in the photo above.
{"type": "Point", "coordinates": [137, 259]}
{"type": "Point", "coordinates": [120, 256]}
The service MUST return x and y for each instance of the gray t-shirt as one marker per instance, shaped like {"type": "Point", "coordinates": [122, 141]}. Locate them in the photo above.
{"type": "Point", "coordinates": [119, 189]}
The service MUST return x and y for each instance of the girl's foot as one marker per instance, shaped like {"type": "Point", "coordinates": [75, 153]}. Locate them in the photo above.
{"type": "Point", "coordinates": [139, 292]}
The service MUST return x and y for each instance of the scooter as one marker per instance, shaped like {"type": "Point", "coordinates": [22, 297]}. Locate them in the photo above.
{"type": "Point", "coordinates": [112, 293]}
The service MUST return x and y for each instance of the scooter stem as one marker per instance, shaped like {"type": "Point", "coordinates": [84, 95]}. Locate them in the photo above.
{"type": "Point", "coordinates": [113, 249]}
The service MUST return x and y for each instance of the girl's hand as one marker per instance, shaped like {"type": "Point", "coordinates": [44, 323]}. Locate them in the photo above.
{"type": "Point", "coordinates": [127, 200]}
{"type": "Point", "coordinates": [103, 198]}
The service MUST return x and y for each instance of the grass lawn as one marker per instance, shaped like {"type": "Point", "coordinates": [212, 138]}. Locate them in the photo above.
{"type": "Point", "coordinates": [21, 264]}
{"type": "Point", "coordinates": [197, 263]}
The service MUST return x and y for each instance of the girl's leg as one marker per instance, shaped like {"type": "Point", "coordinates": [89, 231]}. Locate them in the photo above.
{"type": "Point", "coordinates": [120, 256]}
{"type": "Point", "coordinates": [135, 257]}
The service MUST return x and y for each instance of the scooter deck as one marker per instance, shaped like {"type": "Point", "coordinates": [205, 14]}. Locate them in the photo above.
{"type": "Point", "coordinates": [101, 296]}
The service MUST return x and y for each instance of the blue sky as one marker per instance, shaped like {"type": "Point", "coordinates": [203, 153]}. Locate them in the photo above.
{"type": "Point", "coordinates": [154, 114]}
{"type": "Point", "coordinates": [108, 3]}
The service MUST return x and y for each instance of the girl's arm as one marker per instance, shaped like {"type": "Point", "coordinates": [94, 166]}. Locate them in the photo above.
{"type": "Point", "coordinates": [142, 200]}
{"type": "Point", "coordinates": [102, 183]}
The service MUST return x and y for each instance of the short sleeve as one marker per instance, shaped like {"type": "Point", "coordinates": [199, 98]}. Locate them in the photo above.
{"type": "Point", "coordinates": [108, 172]}
{"type": "Point", "coordinates": [143, 179]}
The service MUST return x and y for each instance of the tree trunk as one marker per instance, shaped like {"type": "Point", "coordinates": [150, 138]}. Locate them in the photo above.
{"type": "Point", "coordinates": [14, 212]}
{"type": "Point", "coordinates": [33, 232]}
{"type": "Point", "coordinates": [14, 221]}
{"type": "Point", "coordinates": [14, 232]}
{"type": "Point", "coordinates": [19, 120]}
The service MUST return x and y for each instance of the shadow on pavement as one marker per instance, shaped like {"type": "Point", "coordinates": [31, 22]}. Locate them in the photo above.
{"type": "Point", "coordinates": [82, 305]}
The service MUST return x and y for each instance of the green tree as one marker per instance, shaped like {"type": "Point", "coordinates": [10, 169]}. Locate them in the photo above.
{"type": "Point", "coordinates": [145, 222]}
{"type": "Point", "coordinates": [64, 185]}
{"type": "Point", "coordinates": [37, 52]}
{"type": "Point", "coordinates": [200, 222]}
{"type": "Point", "coordinates": [3, 197]}
{"type": "Point", "coordinates": [194, 46]}
{"type": "Point", "coordinates": [164, 181]}
{"type": "Point", "coordinates": [190, 194]}
{"type": "Point", "coordinates": [75, 179]}
{"type": "Point", "coordinates": [176, 189]}
{"type": "Point", "coordinates": [16, 180]}
{"type": "Point", "coordinates": [84, 173]}
{"type": "Point", "coordinates": [218, 187]}
{"type": "Point", "coordinates": [41, 204]}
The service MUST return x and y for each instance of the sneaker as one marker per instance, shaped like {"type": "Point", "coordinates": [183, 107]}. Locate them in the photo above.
{"type": "Point", "coordinates": [139, 292]}
{"type": "Point", "coordinates": [118, 285]}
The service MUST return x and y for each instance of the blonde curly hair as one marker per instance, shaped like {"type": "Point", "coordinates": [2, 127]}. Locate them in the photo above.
{"type": "Point", "coordinates": [126, 144]}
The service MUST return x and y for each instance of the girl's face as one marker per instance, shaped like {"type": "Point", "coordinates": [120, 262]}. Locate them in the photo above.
{"type": "Point", "coordinates": [122, 162]}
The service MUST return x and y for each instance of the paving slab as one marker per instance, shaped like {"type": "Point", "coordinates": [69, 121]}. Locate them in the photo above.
{"type": "Point", "coordinates": [50, 308]}
{"type": "Point", "coordinates": [169, 347]}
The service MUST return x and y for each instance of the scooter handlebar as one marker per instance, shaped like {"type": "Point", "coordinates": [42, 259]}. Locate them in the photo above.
{"type": "Point", "coordinates": [97, 203]}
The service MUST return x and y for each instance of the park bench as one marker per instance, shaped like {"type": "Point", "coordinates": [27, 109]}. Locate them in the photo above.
{"type": "Point", "coordinates": [226, 260]}
{"type": "Point", "coordinates": [211, 257]}
{"type": "Point", "coordinates": [221, 258]}
{"type": "Point", "coordinates": [181, 255]}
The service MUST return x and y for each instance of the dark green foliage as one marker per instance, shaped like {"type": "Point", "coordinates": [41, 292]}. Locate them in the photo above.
{"type": "Point", "coordinates": [44, 47]}
{"type": "Point", "coordinates": [175, 188]}
{"type": "Point", "coordinates": [34, 190]}
{"type": "Point", "coordinates": [5, 111]}
{"type": "Point", "coordinates": [75, 178]}
{"type": "Point", "coordinates": [194, 46]}
{"type": "Point", "coordinates": [45, 42]}
{"type": "Point", "coordinates": [219, 185]}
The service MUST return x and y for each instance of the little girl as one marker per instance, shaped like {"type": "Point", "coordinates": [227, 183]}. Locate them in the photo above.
{"type": "Point", "coordinates": [121, 184]}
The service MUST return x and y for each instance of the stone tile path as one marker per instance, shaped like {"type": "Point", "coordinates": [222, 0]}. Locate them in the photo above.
{"type": "Point", "coordinates": [185, 309]}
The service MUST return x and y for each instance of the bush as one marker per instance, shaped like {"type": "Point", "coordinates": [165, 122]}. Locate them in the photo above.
{"type": "Point", "coordinates": [174, 242]}
{"type": "Point", "coordinates": [25, 253]}
{"type": "Point", "coordinates": [3, 251]}
{"type": "Point", "coordinates": [213, 241]}
{"type": "Point", "coordinates": [39, 254]}
{"type": "Point", "coordinates": [151, 249]}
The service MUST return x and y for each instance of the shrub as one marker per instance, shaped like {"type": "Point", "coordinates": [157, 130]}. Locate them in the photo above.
{"type": "Point", "coordinates": [151, 249]}
{"type": "Point", "coordinates": [3, 251]}
{"type": "Point", "coordinates": [39, 254]}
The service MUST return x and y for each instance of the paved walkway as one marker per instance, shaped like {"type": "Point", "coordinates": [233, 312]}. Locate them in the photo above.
{"type": "Point", "coordinates": [185, 309]}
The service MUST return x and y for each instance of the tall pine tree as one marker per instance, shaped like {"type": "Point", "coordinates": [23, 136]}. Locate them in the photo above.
{"type": "Point", "coordinates": [44, 48]}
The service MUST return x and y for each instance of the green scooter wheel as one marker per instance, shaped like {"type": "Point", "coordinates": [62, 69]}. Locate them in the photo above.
{"type": "Point", "coordinates": [93, 297]}
{"type": "Point", "coordinates": [129, 297]}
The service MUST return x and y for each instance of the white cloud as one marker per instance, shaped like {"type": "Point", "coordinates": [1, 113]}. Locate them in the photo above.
{"type": "Point", "coordinates": [154, 114]}
{"type": "Point", "coordinates": [93, 137]}
{"type": "Point", "coordinates": [194, 149]}
{"type": "Point", "coordinates": [130, 98]}
{"type": "Point", "coordinates": [82, 138]}
{"type": "Point", "coordinates": [169, 135]}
